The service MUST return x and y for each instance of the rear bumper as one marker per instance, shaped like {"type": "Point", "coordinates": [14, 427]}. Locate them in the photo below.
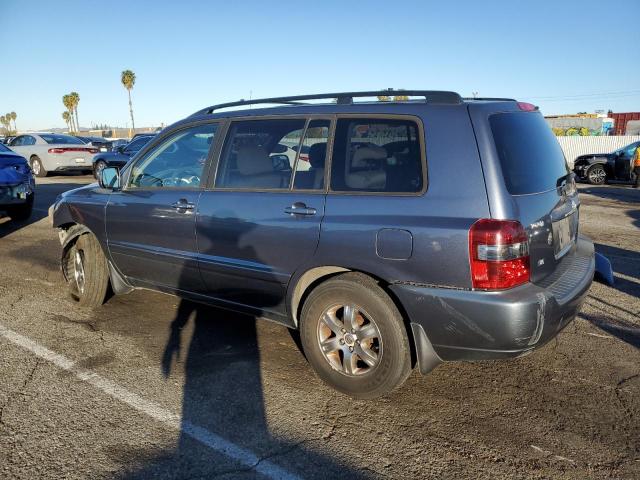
{"type": "Point", "coordinates": [475, 325]}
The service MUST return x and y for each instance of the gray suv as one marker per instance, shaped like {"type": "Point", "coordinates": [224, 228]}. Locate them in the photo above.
{"type": "Point", "coordinates": [392, 234]}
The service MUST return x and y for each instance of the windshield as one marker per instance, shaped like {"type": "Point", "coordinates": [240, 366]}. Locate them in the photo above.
{"type": "Point", "coordinates": [64, 139]}
{"type": "Point", "coordinates": [530, 155]}
{"type": "Point", "coordinates": [4, 149]}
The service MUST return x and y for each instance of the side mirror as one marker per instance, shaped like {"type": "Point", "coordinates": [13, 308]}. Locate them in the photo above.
{"type": "Point", "coordinates": [109, 178]}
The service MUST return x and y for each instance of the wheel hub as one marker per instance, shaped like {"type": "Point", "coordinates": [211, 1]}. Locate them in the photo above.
{"type": "Point", "coordinates": [349, 340]}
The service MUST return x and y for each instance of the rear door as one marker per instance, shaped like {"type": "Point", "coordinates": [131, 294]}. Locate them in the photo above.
{"type": "Point", "coordinates": [260, 221]}
{"type": "Point", "coordinates": [151, 222]}
{"type": "Point", "coordinates": [528, 180]}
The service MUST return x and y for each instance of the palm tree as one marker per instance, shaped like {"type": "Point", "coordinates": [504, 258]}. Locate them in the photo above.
{"type": "Point", "coordinates": [13, 117]}
{"type": "Point", "coordinates": [75, 100]}
{"type": "Point", "coordinates": [3, 121]}
{"type": "Point", "coordinates": [128, 79]}
{"type": "Point", "coordinates": [68, 103]}
{"type": "Point", "coordinates": [67, 119]}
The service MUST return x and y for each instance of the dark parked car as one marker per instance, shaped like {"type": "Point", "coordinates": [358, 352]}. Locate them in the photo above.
{"type": "Point", "coordinates": [121, 155]}
{"type": "Point", "coordinates": [17, 185]}
{"type": "Point", "coordinates": [598, 168]}
{"type": "Point", "coordinates": [101, 143]}
{"type": "Point", "coordinates": [418, 232]}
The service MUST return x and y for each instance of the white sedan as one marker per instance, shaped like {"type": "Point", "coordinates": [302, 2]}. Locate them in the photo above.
{"type": "Point", "coordinates": [49, 152]}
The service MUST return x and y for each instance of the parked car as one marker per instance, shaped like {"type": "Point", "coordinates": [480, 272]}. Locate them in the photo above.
{"type": "Point", "coordinates": [120, 156]}
{"type": "Point", "coordinates": [425, 231]}
{"type": "Point", "coordinates": [48, 152]}
{"type": "Point", "coordinates": [101, 143]}
{"type": "Point", "coordinates": [598, 168]}
{"type": "Point", "coordinates": [7, 140]}
{"type": "Point", "coordinates": [17, 185]}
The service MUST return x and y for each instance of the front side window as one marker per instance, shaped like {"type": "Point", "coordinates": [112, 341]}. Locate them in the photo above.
{"type": "Point", "coordinates": [260, 154]}
{"type": "Point", "coordinates": [377, 155]}
{"type": "Point", "coordinates": [17, 142]}
{"type": "Point", "coordinates": [178, 161]}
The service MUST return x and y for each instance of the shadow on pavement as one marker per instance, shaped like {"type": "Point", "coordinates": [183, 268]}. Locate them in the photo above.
{"type": "Point", "coordinates": [223, 389]}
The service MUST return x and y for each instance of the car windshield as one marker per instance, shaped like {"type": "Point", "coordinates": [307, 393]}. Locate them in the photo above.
{"type": "Point", "coordinates": [61, 139]}
{"type": "Point", "coordinates": [4, 149]}
{"type": "Point", "coordinates": [137, 144]}
{"type": "Point", "coordinates": [530, 155]}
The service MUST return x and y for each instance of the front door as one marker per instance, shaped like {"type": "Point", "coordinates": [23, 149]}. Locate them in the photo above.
{"type": "Point", "coordinates": [261, 222]}
{"type": "Point", "coordinates": [151, 221]}
{"type": "Point", "coordinates": [624, 162]}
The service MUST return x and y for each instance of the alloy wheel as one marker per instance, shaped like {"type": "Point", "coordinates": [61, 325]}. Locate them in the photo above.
{"type": "Point", "coordinates": [349, 340]}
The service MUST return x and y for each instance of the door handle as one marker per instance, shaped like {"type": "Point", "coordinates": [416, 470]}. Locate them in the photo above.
{"type": "Point", "coordinates": [183, 204]}
{"type": "Point", "coordinates": [299, 208]}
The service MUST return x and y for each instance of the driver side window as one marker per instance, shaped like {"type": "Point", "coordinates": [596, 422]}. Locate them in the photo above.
{"type": "Point", "coordinates": [176, 162]}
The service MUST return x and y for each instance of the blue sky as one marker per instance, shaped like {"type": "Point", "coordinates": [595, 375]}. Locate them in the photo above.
{"type": "Point", "coordinates": [564, 56]}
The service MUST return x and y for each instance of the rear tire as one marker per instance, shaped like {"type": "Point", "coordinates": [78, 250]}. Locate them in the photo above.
{"type": "Point", "coordinates": [596, 175]}
{"type": "Point", "coordinates": [354, 337]}
{"type": "Point", "coordinates": [37, 168]}
{"type": "Point", "coordinates": [87, 271]}
{"type": "Point", "coordinates": [22, 212]}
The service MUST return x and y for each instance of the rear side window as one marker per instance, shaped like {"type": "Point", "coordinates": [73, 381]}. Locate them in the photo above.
{"type": "Point", "coordinates": [377, 155]}
{"type": "Point", "coordinates": [531, 158]}
{"type": "Point", "coordinates": [260, 154]}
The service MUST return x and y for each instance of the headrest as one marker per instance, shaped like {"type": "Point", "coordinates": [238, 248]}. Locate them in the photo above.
{"type": "Point", "coordinates": [253, 160]}
{"type": "Point", "coordinates": [363, 155]}
{"type": "Point", "coordinates": [318, 155]}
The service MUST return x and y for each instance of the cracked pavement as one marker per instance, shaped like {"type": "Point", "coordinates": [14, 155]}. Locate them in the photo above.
{"type": "Point", "coordinates": [569, 410]}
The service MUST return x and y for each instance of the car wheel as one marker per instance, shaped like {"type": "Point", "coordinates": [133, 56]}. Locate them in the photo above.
{"type": "Point", "coordinates": [97, 169]}
{"type": "Point", "coordinates": [37, 168]}
{"type": "Point", "coordinates": [597, 175]}
{"type": "Point", "coordinates": [22, 212]}
{"type": "Point", "coordinates": [87, 272]}
{"type": "Point", "coordinates": [354, 337]}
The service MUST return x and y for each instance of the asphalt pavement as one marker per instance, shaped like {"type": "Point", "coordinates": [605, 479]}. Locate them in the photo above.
{"type": "Point", "coordinates": [149, 386]}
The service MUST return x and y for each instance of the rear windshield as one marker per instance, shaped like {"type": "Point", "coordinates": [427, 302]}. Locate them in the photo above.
{"type": "Point", "coordinates": [64, 139]}
{"type": "Point", "coordinates": [531, 158]}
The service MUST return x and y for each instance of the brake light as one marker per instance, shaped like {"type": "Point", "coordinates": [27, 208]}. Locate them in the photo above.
{"type": "Point", "coordinates": [499, 254]}
{"type": "Point", "coordinates": [72, 149]}
{"type": "Point", "coordinates": [527, 107]}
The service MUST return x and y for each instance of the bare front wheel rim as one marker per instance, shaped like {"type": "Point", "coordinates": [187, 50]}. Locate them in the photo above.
{"type": "Point", "coordinates": [78, 270]}
{"type": "Point", "coordinates": [597, 175]}
{"type": "Point", "coordinates": [35, 166]}
{"type": "Point", "coordinates": [349, 340]}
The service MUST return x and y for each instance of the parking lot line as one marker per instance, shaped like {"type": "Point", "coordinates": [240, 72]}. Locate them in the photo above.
{"type": "Point", "coordinates": [215, 442]}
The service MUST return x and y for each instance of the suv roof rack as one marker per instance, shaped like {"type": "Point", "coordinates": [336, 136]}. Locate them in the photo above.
{"type": "Point", "coordinates": [344, 98]}
{"type": "Point", "coordinates": [490, 99]}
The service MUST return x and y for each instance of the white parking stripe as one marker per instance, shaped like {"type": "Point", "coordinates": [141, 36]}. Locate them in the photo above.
{"type": "Point", "coordinates": [214, 442]}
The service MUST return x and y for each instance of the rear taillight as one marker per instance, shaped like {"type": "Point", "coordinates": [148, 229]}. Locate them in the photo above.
{"type": "Point", "coordinates": [499, 254]}
{"type": "Point", "coordinates": [72, 149]}
{"type": "Point", "coordinates": [527, 107]}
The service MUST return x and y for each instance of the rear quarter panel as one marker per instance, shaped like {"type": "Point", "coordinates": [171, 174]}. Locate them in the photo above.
{"type": "Point", "coordinates": [437, 221]}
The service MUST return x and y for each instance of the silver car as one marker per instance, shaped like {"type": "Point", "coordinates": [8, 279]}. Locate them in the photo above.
{"type": "Point", "coordinates": [49, 152]}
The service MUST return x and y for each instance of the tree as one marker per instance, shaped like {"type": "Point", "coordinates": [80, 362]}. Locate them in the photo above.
{"type": "Point", "coordinates": [3, 121]}
{"type": "Point", "coordinates": [68, 103]}
{"type": "Point", "coordinates": [128, 79]}
{"type": "Point", "coordinates": [75, 100]}
{"type": "Point", "coordinates": [13, 117]}
{"type": "Point", "coordinates": [67, 119]}
{"type": "Point", "coordinates": [384, 98]}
